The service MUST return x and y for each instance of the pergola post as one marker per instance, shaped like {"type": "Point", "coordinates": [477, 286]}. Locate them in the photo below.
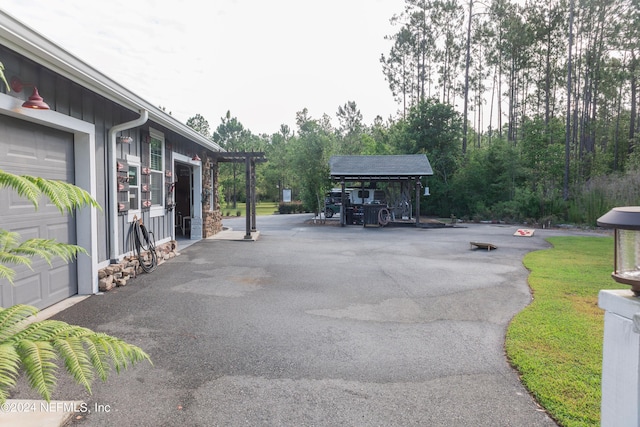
{"type": "Point", "coordinates": [253, 194]}
{"type": "Point", "coordinates": [249, 159]}
{"type": "Point", "coordinates": [247, 173]}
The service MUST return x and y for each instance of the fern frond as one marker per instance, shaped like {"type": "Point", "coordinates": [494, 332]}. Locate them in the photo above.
{"type": "Point", "coordinates": [37, 358]}
{"type": "Point", "coordinates": [115, 353]}
{"type": "Point", "coordinates": [76, 360]}
{"type": "Point", "coordinates": [49, 189]}
{"type": "Point", "coordinates": [119, 352]}
{"type": "Point", "coordinates": [12, 318]}
{"type": "Point", "coordinates": [7, 273]}
{"type": "Point", "coordinates": [23, 186]}
{"type": "Point", "coordinates": [12, 258]}
{"type": "Point", "coordinates": [98, 358]}
{"type": "Point", "coordinates": [63, 195]}
{"type": "Point", "coordinates": [14, 252]}
{"type": "Point", "coordinates": [83, 198]}
{"type": "Point", "coordinates": [48, 249]}
{"type": "Point", "coordinates": [45, 330]}
{"type": "Point", "coordinates": [9, 365]}
{"type": "Point", "coordinates": [36, 347]}
{"type": "Point", "coordinates": [8, 240]}
{"type": "Point", "coordinates": [75, 332]}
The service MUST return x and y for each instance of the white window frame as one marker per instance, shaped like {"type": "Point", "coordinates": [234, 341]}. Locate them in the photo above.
{"type": "Point", "coordinates": [157, 209]}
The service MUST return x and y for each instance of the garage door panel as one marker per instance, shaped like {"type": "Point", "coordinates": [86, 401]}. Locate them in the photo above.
{"type": "Point", "coordinates": [30, 149]}
{"type": "Point", "coordinates": [16, 204]}
{"type": "Point", "coordinates": [20, 211]}
{"type": "Point", "coordinates": [16, 208]}
{"type": "Point", "coordinates": [28, 290]}
{"type": "Point", "coordinates": [46, 207]}
{"type": "Point", "coordinates": [34, 170]}
{"type": "Point", "coordinates": [59, 280]}
{"type": "Point", "coordinates": [37, 264]}
{"type": "Point", "coordinates": [21, 154]}
{"type": "Point", "coordinates": [60, 232]}
{"type": "Point", "coordinates": [24, 149]}
{"type": "Point", "coordinates": [27, 232]}
{"type": "Point", "coordinates": [19, 205]}
{"type": "Point", "coordinates": [53, 158]}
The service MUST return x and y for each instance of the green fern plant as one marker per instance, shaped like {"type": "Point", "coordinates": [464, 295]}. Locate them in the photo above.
{"type": "Point", "coordinates": [64, 196]}
{"type": "Point", "coordinates": [37, 347]}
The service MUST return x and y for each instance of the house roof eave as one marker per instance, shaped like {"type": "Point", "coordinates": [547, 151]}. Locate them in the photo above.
{"type": "Point", "coordinates": [33, 45]}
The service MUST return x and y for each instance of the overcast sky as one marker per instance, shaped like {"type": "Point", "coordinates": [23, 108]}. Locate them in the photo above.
{"type": "Point", "coordinates": [264, 60]}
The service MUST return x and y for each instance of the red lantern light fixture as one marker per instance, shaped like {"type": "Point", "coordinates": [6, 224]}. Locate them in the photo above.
{"type": "Point", "coordinates": [35, 101]}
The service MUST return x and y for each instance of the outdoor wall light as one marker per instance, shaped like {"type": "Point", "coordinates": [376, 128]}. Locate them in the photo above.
{"type": "Point", "coordinates": [125, 139]}
{"type": "Point", "coordinates": [35, 101]}
{"type": "Point", "coordinates": [626, 224]}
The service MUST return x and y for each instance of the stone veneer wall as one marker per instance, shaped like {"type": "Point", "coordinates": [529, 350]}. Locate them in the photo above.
{"type": "Point", "coordinates": [129, 268]}
{"type": "Point", "coordinates": [212, 223]}
{"type": "Point", "coordinates": [211, 218]}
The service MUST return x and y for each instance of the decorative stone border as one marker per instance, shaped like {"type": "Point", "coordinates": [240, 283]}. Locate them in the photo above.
{"type": "Point", "coordinates": [115, 275]}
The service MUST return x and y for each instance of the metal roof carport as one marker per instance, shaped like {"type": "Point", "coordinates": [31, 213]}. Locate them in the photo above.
{"type": "Point", "coordinates": [408, 168]}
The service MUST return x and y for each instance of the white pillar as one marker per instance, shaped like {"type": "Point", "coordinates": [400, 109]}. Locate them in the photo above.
{"type": "Point", "coordinates": [621, 359]}
{"type": "Point", "coordinates": [196, 216]}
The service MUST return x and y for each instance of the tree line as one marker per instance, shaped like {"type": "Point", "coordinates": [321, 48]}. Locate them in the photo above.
{"type": "Point", "coordinates": [527, 111]}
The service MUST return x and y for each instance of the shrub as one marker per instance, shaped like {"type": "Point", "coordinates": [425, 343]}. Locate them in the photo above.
{"type": "Point", "coordinates": [291, 208]}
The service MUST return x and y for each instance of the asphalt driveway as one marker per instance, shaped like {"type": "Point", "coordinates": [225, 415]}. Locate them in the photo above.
{"type": "Point", "coordinates": [317, 325]}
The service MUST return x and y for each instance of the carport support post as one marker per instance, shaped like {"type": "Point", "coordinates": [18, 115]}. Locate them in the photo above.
{"type": "Point", "coordinates": [417, 185]}
{"type": "Point", "coordinates": [343, 206]}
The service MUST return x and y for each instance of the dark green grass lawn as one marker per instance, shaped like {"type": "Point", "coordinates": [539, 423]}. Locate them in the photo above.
{"type": "Point", "coordinates": [556, 342]}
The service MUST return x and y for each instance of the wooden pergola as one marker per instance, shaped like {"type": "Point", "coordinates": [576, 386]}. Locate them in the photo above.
{"type": "Point", "coordinates": [249, 158]}
{"type": "Point", "coordinates": [408, 169]}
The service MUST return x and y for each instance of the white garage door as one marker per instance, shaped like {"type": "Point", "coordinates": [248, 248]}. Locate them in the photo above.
{"type": "Point", "coordinates": [30, 149]}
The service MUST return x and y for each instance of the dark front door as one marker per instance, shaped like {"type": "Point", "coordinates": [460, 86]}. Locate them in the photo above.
{"type": "Point", "coordinates": [183, 199]}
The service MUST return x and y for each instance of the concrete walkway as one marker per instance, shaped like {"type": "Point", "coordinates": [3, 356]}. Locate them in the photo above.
{"type": "Point", "coordinates": [318, 325]}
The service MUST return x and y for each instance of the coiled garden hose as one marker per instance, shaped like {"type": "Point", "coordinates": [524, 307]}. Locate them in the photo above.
{"type": "Point", "coordinates": [143, 241]}
{"type": "Point", "coordinates": [383, 217]}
